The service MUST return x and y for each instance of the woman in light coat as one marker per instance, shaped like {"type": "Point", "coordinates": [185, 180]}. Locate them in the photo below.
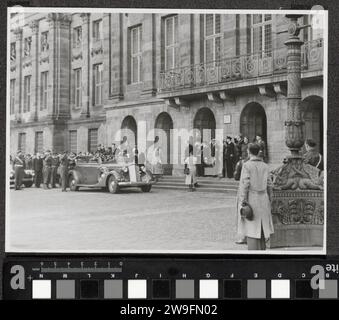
{"type": "Point", "coordinates": [190, 164]}
{"type": "Point", "coordinates": [255, 188]}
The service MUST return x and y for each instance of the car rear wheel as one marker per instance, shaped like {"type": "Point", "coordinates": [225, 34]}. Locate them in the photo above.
{"type": "Point", "coordinates": [28, 184]}
{"type": "Point", "coordinates": [113, 186]}
{"type": "Point", "coordinates": [146, 188]}
{"type": "Point", "coordinates": [72, 184]}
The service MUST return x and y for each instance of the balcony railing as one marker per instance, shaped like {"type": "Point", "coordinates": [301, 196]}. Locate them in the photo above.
{"type": "Point", "coordinates": [240, 68]}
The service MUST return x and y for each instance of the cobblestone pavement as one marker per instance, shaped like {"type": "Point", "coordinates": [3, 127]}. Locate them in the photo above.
{"type": "Point", "coordinates": [95, 220]}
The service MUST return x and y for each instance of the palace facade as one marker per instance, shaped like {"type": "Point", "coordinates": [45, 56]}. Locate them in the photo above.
{"type": "Point", "coordinates": [76, 79]}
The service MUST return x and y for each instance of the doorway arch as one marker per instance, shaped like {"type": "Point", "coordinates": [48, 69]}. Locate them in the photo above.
{"type": "Point", "coordinates": [253, 122]}
{"type": "Point", "coordinates": [163, 126]}
{"type": "Point", "coordinates": [312, 107]}
{"type": "Point", "coordinates": [204, 119]}
{"type": "Point", "coordinates": [129, 129]}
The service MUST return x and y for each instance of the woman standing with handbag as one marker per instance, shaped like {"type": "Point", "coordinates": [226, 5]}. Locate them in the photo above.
{"type": "Point", "coordinates": [255, 193]}
{"type": "Point", "coordinates": [190, 169]}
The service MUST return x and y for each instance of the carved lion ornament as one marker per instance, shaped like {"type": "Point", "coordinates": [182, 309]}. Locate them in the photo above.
{"type": "Point", "coordinates": [296, 175]}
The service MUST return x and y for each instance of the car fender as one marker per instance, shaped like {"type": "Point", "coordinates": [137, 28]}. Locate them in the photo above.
{"type": "Point", "coordinates": [75, 174]}
{"type": "Point", "coordinates": [113, 173]}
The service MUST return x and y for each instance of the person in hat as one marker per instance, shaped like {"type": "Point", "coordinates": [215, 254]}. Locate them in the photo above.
{"type": "Point", "coordinates": [255, 189]}
{"type": "Point", "coordinates": [64, 163]}
{"type": "Point", "coordinates": [19, 169]}
{"type": "Point", "coordinates": [229, 156]}
{"type": "Point", "coordinates": [55, 166]}
{"type": "Point", "coordinates": [38, 170]}
{"type": "Point", "coordinates": [47, 171]}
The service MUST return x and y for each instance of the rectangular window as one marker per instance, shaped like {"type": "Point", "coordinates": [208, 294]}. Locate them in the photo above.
{"type": "Point", "coordinates": [12, 96]}
{"type": "Point", "coordinates": [44, 90]}
{"type": "Point", "coordinates": [72, 142]}
{"type": "Point", "coordinates": [27, 93]}
{"type": "Point", "coordinates": [77, 88]}
{"type": "Point", "coordinates": [212, 38]}
{"type": "Point", "coordinates": [97, 30]}
{"type": "Point", "coordinates": [171, 42]}
{"type": "Point", "coordinates": [136, 54]}
{"type": "Point", "coordinates": [261, 34]}
{"type": "Point", "coordinates": [98, 84]}
{"type": "Point", "coordinates": [77, 37]}
{"type": "Point", "coordinates": [39, 142]}
{"type": "Point", "coordinates": [92, 140]}
{"type": "Point", "coordinates": [22, 142]}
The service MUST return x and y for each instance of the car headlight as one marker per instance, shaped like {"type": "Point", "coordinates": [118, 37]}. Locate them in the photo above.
{"type": "Point", "coordinates": [143, 168]}
{"type": "Point", "coordinates": [125, 169]}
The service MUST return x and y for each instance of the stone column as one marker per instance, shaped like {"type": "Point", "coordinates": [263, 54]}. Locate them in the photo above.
{"type": "Point", "coordinates": [148, 63]}
{"type": "Point", "coordinates": [107, 30]}
{"type": "Point", "coordinates": [34, 25]}
{"type": "Point", "coordinates": [298, 204]}
{"type": "Point", "coordinates": [18, 81]}
{"type": "Point", "coordinates": [117, 57]}
{"type": "Point", "coordinates": [86, 56]}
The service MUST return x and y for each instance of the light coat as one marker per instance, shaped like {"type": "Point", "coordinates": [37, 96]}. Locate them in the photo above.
{"type": "Point", "coordinates": [256, 188]}
{"type": "Point", "coordinates": [191, 162]}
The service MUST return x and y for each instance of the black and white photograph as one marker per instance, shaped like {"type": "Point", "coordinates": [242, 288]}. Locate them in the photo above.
{"type": "Point", "coordinates": [166, 131]}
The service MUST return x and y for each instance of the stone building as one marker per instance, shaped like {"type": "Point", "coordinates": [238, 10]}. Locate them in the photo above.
{"type": "Point", "coordinates": [77, 79]}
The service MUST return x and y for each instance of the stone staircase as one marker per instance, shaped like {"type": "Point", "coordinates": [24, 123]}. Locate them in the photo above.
{"type": "Point", "coordinates": [206, 184]}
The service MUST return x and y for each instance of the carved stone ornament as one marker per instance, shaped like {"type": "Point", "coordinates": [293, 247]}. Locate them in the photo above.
{"type": "Point", "coordinates": [77, 56]}
{"type": "Point", "coordinates": [298, 207]}
{"type": "Point", "coordinates": [297, 175]}
{"type": "Point", "coordinates": [97, 50]}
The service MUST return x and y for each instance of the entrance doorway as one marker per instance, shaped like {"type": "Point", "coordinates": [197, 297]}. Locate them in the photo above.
{"type": "Point", "coordinates": [204, 121]}
{"type": "Point", "coordinates": [163, 127]}
{"type": "Point", "coordinates": [129, 130]}
{"type": "Point", "coordinates": [253, 122]}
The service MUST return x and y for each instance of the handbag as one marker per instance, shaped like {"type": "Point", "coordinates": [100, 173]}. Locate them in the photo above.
{"type": "Point", "coordinates": [187, 171]}
{"type": "Point", "coordinates": [246, 211]}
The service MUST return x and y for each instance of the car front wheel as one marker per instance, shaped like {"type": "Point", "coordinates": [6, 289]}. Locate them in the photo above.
{"type": "Point", "coordinates": [113, 186]}
{"type": "Point", "coordinates": [72, 184]}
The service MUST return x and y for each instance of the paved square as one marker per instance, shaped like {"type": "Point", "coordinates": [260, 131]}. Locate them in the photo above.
{"type": "Point", "coordinates": [97, 221]}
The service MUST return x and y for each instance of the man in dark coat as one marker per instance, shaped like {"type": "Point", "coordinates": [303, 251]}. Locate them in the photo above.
{"type": "Point", "coordinates": [47, 171]}
{"type": "Point", "coordinates": [64, 163]}
{"type": "Point", "coordinates": [312, 156]}
{"type": "Point", "coordinates": [229, 156]}
{"type": "Point", "coordinates": [55, 166]}
{"type": "Point", "coordinates": [19, 170]}
{"type": "Point", "coordinates": [37, 167]}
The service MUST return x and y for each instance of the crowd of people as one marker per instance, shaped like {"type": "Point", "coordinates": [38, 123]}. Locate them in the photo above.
{"type": "Point", "coordinates": [51, 168]}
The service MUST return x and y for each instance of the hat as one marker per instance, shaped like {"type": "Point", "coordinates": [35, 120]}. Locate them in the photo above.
{"type": "Point", "coordinates": [246, 211]}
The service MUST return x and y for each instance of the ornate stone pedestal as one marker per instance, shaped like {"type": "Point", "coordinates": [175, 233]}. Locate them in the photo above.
{"type": "Point", "coordinates": [298, 218]}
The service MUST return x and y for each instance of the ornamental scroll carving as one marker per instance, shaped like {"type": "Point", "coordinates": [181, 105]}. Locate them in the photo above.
{"type": "Point", "coordinates": [298, 211]}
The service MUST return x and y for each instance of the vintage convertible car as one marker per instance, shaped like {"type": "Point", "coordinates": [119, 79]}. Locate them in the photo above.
{"type": "Point", "coordinates": [111, 176]}
{"type": "Point", "coordinates": [27, 180]}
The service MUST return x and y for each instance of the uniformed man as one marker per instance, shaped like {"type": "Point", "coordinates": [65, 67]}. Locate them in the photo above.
{"type": "Point", "coordinates": [55, 166]}
{"type": "Point", "coordinates": [47, 169]}
{"type": "Point", "coordinates": [19, 170]}
{"type": "Point", "coordinates": [38, 170]}
{"type": "Point", "coordinates": [312, 156]}
{"type": "Point", "coordinates": [64, 163]}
